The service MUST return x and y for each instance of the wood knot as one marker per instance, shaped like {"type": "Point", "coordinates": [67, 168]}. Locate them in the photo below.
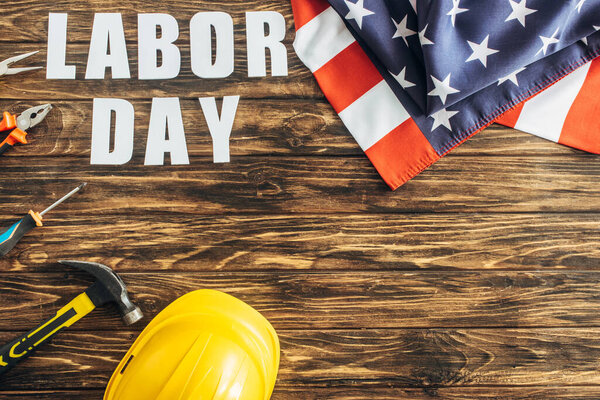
{"type": "Point", "coordinates": [266, 183]}
{"type": "Point", "coordinates": [268, 189]}
{"type": "Point", "coordinates": [257, 176]}
{"type": "Point", "coordinates": [304, 124]}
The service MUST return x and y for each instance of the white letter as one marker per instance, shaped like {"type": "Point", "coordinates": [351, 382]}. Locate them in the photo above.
{"type": "Point", "coordinates": [149, 46]}
{"type": "Point", "coordinates": [101, 120]}
{"type": "Point", "coordinates": [107, 31]}
{"type": "Point", "coordinates": [257, 42]}
{"type": "Point", "coordinates": [201, 44]}
{"type": "Point", "coordinates": [57, 48]}
{"type": "Point", "coordinates": [166, 115]}
{"type": "Point", "coordinates": [220, 128]}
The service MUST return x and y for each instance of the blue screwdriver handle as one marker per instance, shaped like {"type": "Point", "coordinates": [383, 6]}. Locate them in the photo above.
{"type": "Point", "coordinates": [10, 237]}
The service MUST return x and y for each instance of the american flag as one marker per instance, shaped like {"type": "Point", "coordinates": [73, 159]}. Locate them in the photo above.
{"type": "Point", "coordinates": [412, 79]}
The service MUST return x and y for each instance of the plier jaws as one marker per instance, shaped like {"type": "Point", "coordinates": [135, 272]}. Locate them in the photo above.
{"type": "Point", "coordinates": [5, 68]}
{"type": "Point", "coordinates": [33, 116]}
{"type": "Point", "coordinates": [19, 125]}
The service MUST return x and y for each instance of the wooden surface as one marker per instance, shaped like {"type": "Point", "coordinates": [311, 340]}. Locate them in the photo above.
{"type": "Point", "coordinates": [478, 279]}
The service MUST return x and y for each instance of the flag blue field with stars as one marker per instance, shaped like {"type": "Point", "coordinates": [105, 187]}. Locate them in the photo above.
{"type": "Point", "coordinates": [457, 65]}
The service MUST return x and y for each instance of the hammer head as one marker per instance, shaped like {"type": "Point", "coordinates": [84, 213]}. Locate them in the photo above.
{"type": "Point", "coordinates": [108, 288]}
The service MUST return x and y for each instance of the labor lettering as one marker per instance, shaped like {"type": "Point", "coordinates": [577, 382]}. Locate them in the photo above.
{"type": "Point", "coordinates": [108, 52]}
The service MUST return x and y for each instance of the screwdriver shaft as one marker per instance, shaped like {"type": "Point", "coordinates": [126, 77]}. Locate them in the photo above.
{"type": "Point", "coordinates": [65, 197]}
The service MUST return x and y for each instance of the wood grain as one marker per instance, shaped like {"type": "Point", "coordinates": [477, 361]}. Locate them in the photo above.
{"type": "Point", "coordinates": [390, 391]}
{"type": "Point", "coordinates": [349, 242]}
{"type": "Point", "coordinates": [262, 128]}
{"type": "Point", "coordinates": [381, 391]}
{"type": "Point", "coordinates": [478, 279]}
{"type": "Point", "coordinates": [354, 390]}
{"type": "Point", "coordinates": [278, 185]}
{"type": "Point", "coordinates": [429, 358]}
{"type": "Point", "coordinates": [81, 15]}
{"type": "Point", "coordinates": [331, 300]}
{"type": "Point", "coordinates": [299, 83]}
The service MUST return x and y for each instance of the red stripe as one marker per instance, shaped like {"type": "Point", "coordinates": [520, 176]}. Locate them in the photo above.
{"type": "Point", "coordinates": [510, 117]}
{"type": "Point", "coordinates": [402, 154]}
{"type": "Point", "coordinates": [582, 125]}
{"type": "Point", "coordinates": [347, 76]}
{"type": "Point", "coordinates": [305, 10]}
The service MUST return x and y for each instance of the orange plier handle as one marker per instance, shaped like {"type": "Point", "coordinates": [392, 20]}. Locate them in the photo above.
{"type": "Point", "coordinates": [9, 121]}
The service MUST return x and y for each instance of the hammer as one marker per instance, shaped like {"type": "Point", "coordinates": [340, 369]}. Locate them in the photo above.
{"type": "Point", "coordinates": [108, 288]}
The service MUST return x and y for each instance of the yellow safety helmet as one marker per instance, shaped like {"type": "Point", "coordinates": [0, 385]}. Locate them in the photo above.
{"type": "Point", "coordinates": [204, 345]}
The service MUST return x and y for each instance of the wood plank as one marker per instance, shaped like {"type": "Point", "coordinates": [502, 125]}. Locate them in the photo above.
{"type": "Point", "coordinates": [179, 242]}
{"type": "Point", "coordinates": [261, 127]}
{"type": "Point", "coordinates": [275, 185]}
{"type": "Point", "coordinates": [391, 391]}
{"type": "Point", "coordinates": [501, 140]}
{"type": "Point", "coordinates": [366, 391]}
{"type": "Point", "coordinates": [339, 300]}
{"type": "Point", "coordinates": [406, 358]}
{"type": "Point", "coordinates": [34, 86]}
{"type": "Point", "coordinates": [81, 16]}
{"type": "Point", "coordinates": [273, 127]}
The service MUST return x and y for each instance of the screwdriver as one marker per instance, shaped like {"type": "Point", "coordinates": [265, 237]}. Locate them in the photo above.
{"type": "Point", "coordinates": [12, 235]}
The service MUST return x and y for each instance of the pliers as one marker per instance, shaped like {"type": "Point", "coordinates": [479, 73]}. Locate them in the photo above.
{"type": "Point", "coordinates": [5, 65]}
{"type": "Point", "coordinates": [28, 119]}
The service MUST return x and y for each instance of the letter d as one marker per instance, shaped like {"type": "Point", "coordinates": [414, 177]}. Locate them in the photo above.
{"type": "Point", "coordinates": [101, 122]}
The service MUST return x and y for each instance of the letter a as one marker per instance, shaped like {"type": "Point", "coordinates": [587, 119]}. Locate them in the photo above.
{"type": "Point", "coordinates": [166, 116]}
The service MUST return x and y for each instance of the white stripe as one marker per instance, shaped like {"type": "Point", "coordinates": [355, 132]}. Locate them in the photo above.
{"type": "Point", "coordinates": [374, 115]}
{"type": "Point", "coordinates": [545, 114]}
{"type": "Point", "coordinates": [321, 39]}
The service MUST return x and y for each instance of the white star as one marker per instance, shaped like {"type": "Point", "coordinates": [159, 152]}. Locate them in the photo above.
{"type": "Point", "coordinates": [584, 40]}
{"type": "Point", "coordinates": [511, 77]}
{"type": "Point", "coordinates": [481, 51]}
{"type": "Point", "coordinates": [400, 78]}
{"type": "Point", "coordinates": [442, 88]}
{"type": "Point", "coordinates": [422, 37]}
{"type": "Point", "coordinates": [442, 117]}
{"type": "Point", "coordinates": [578, 6]}
{"type": "Point", "coordinates": [413, 3]}
{"type": "Point", "coordinates": [357, 11]}
{"type": "Point", "coordinates": [455, 10]}
{"type": "Point", "coordinates": [547, 41]}
{"type": "Point", "coordinates": [402, 31]}
{"type": "Point", "coordinates": [519, 11]}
